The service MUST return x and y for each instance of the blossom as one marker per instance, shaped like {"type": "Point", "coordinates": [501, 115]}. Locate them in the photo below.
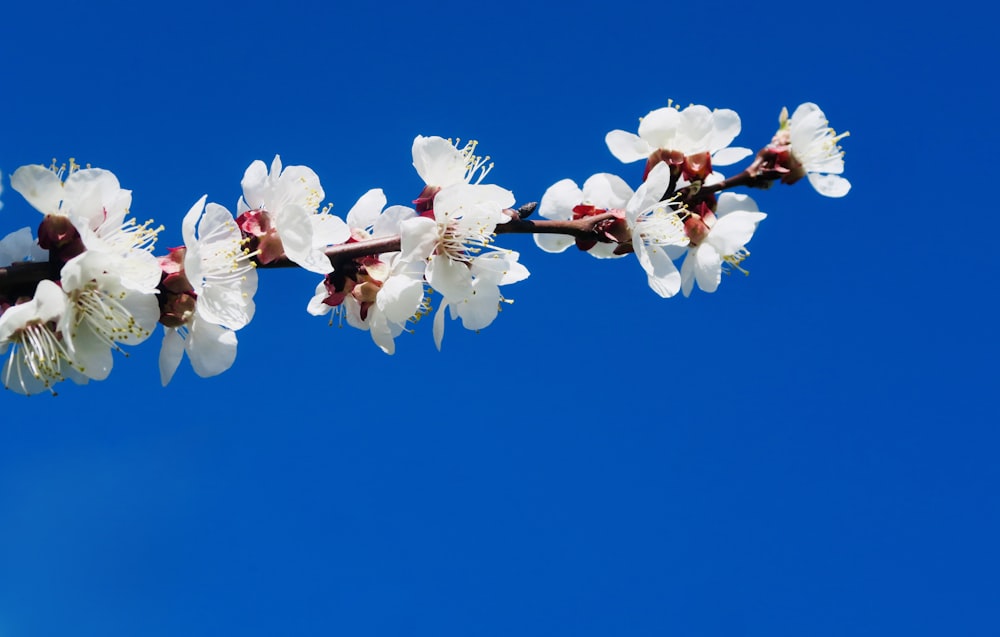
{"type": "Point", "coordinates": [207, 293]}
{"type": "Point", "coordinates": [657, 231]}
{"type": "Point", "coordinates": [378, 293]}
{"type": "Point", "coordinates": [441, 162]}
{"type": "Point", "coordinates": [718, 240]}
{"type": "Point", "coordinates": [103, 310]}
{"type": "Point", "coordinates": [686, 137]}
{"type": "Point", "coordinates": [479, 303]}
{"type": "Point", "coordinates": [812, 145]}
{"type": "Point", "coordinates": [280, 208]}
{"type": "Point", "coordinates": [39, 357]}
{"type": "Point", "coordinates": [456, 240]}
{"type": "Point", "coordinates": [86, 211]}
{"type": "Point", "coordinates": [564, 200]}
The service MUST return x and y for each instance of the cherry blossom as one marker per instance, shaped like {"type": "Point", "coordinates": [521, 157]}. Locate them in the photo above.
{"type": "Point", "coordinates": [39, 357]}
{"type": "Point", "coordinates": [379, 293]}
{"type": "Point", "coordinates": [565, 200]}
{"type": "Point", "coordinates": [718, 241]}
{"type": "Point", "coordinates": [206, 294]}
{"type": "Point", "coordinates": [812, 150]}
{"type": "Point", "coordinates": [695, 139]}
{"type": "Point", "coordinates": [103, 310]}
{"type": "Point", "coordinates": [280, 208]}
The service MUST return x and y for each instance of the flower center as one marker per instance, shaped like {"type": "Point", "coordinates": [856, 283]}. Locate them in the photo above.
{"type": "Point", "coordinates": [109, 319]}
{"type": "Point", "coordinates": [662, 225]}
{"type": "Point", "coordinates": [38, 354]}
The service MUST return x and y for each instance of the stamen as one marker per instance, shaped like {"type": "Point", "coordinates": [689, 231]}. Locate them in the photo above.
{"type": "Point", "coordinates": [734, 261]}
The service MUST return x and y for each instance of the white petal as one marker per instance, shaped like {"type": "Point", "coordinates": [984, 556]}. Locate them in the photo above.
{"type": "Point", "coordinates": [695, 130]}
{"type": "Point", "coordinates": [89, 193]}
{"type": "Point", "coordinates": [364, 213]}
{"type": "Point", "coordinates": [41, 187]}
{"type": "Point", "coordinates": [661, 273]}
{"type": "Point", "coordinates": [439, 325]}
{"type": "Point", "coordinates": [171, 352]}
{"type": "Point", "coordinates": [659, 128]}
{"type": "Point", "coordinates": [731, 155]}
{"type": "Point", "coordinates": [554, 243]}
{"type": "Point", "coordinates": [190, 223]}
{"type": "Point", "coordinates": [734, 231]}
{"type": "Point", "coordinates": [437, 161]}
{"type": "Point", "coordinates": [300, 184]}
{"type": "Point", "coordinates": [210, 348]}
{"type": "Point", "coordinates": [463, 199]}
{"type": "Point", "coordinates": [559, 200]}
{"type": "Point", "coordinates": [228, 307]}
{"type": "Point", "coordinates": [500, 267]}
{"type": "Point", "coordinates": [388, 223]}
{"type": "Point", "coordinates": [218, 224]}
{"type": "Point", "coordinates": [329, 230]}
{"type": "Point", "coordinates": [90, 353]}
{"type": "Point", "coordinates": [707, 267]}
{"type": "Point", "coordinates": [255, 184]}
{"type": "Point", "coordinates": [418, 237]}
{"type": "Point", "coordinates": [627, 147]}
{"type": "Point", "coordinates": [381, 332]}
{"type": "Point", "coordinates": [687, 273]}
{"type": "Point", "coordinates": [451, 278]}
{"type": "Point", "coordinates": [650, 192]}
{"type": "Point", "coordinates": [316, 306]}
{"type": "Point", "coordinates": [727, 126]}
{"type": "Point", "coordinates": [294, 224]}
{"type": "Point", "coordinates": [829, 185]}
{"type": "Point", "coordinates": [480, 308]}
{"type": "Point", "coordinates": [400, 297]}
{"type": "Point", "coordinates": [604, 251]}
{"type": "Point", "coordinates": [732, 201]}
{"type": "Point", "coordinates": [605, 190]}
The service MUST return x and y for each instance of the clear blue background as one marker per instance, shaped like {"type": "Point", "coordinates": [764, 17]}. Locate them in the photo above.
{"type": "Point", "coordinates": [810, 451]}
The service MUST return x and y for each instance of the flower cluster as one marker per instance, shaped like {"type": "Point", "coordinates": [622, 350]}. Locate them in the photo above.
{"type": "Point", "coordinates": [90, 284]}
{"type": "Point", "coordinates": [108, 275]}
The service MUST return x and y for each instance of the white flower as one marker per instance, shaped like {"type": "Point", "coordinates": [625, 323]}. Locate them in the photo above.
{"type": "Point", "coordinates": [93, 201]}
{"type": "Point", "coordinates": [657, 232]}
{"type": "Point", "coordinates": [39, 357]}
{"type": "Point", "coordinates": [440, 162]}
{"type": "Point", "coordinates": [602, 192]}
{"type": "Point", "coordinates": [103, 311]}
{"type": "Point", "coordinates": [389, 294]}
{"type": "Point", "coordinates": [479, 304]}
{"type": "Point", "coordinates": [462, 264]}
{"type": "Point", "coordinates": [691, 131]}
{"type": "Point", "coordinates": [728, 231]}
{"type": "Point", "coordinates": [288, 201]}
{"type": "Point", "coordinates": [95, 205]}
{"type": "Point", "coordinates": [388, 289]}
{"type": "Point", "coordinates": [90, 197]}
{"type": "Point", "coordinates": [465, 219]}
{"type": "Point", "coordinates": [211, 295]}
{"type": "Point", "coordinates": [813, 144]}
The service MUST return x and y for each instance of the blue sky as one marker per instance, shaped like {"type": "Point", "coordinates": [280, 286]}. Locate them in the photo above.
{"type": "Point", "coordinates": [809, 451]}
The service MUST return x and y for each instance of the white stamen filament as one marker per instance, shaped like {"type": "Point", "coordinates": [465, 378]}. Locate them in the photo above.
{"type": "Point", "coordinates": [109, 319]}
{"type": "Point", "coordinates": [662, 225]}
{"type": "Point", "coordinates": [39, 352]}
